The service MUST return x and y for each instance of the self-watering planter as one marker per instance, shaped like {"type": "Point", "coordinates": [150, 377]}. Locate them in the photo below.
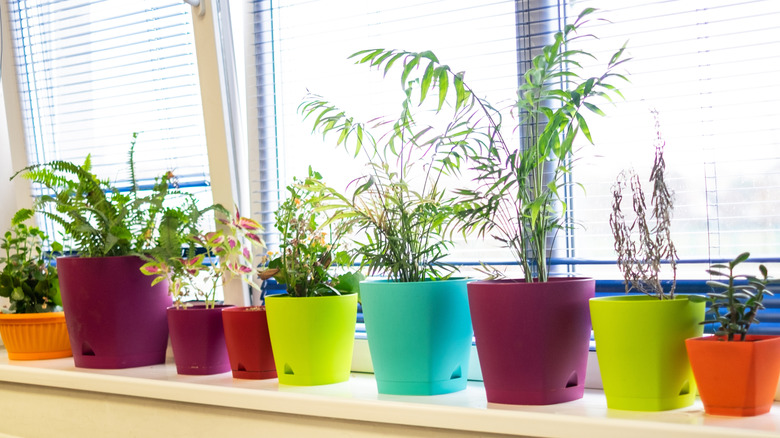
{"type": "Point", "coordinates": [198, 340]}
{"type": "Point", "coordinates": [115, 318]}
{"type": "Point", "coordinates": [532, 338]}
{"type": "Point", "coordinates": [640, 344]}
{"type": "Point", "coordinates": [312, 337]}
{"type": "Point", "coordinates": [419, 335]}
{"type": "Point", "coordinates": [248, 342]}
{"type": "Point", "coordinates": [736, 378]}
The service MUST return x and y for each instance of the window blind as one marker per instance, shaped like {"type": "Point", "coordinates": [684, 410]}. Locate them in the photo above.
{"type": "Point", "coordinates": [710, 69]}
{"type": "Point", "coordinates": [91, 73]}
{"type": "Point", "coordinates": [706, 66]}
{"type": "Point", "coordinates": [303, 46]}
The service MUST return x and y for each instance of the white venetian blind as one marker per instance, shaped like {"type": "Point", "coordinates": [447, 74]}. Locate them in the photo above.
{"type": "Point", "coordinates": [91, 73]}
{"type": "Point", "coordinates": [710, 67]}
{"type": "Point", "coordinates": [303, 45]}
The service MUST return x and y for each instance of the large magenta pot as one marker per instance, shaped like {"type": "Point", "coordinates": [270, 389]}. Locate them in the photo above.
{"type": "Point", "coordinates": [532, 338]}
{"type": "Point", "coordinates": [198, 340]}
{"type": "Point", "coordinates": [115, 318]}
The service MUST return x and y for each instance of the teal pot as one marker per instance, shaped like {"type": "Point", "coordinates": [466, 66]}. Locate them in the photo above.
{"type": "Point", "coordinates": [419, 335]}
{"type": "Point", "coordinates": [115, 317]}
{"type": "Point", "coordinates": [198, 339]}
{"type": "Point", "coordinates": [532, 338]}
{"type": "Point", "coordinates": [312, 337]}
{"type": "Point", "coordinates": [640, 343]}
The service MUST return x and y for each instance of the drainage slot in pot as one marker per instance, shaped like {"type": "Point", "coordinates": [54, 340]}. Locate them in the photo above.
{"type": "Point", "coordinates": [457, 374]}
{"type": "Point", "coordinates": [288, 369]}
{"type": "Point", "coordinates": [686, 388]}
{"type": "Point", "coordinates": [241, 367]}
{"type": "Point", "coordinates": [573, 380]}
{"type": "Point", "coordinates": [86, 349]}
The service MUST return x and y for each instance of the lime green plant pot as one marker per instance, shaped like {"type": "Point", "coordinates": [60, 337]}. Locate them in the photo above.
{"type": "Point", "coordinates": [640, 344]}
{"type": "Point", "coordinates": [312, 338]}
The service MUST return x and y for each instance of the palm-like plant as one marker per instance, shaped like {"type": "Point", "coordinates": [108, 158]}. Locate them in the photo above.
{"type": "Point", "coordinates": [518, 197]}
{"type": "Point", "coordinates": [399, 205]}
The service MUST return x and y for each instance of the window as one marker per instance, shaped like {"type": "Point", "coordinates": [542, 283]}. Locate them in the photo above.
{"type": "Point", "coordinates": [710, 69]}
{"type": "Point", "coordinates": [706, 66]}
{"type": "Point", "coordinates": [91, 73]}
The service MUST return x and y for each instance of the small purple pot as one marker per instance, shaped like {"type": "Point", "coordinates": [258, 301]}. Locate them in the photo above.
{"type": "Point", "coordinates": [115, 318]}
{"type": "Point", "coordinates": [532, 338]}
{"type": "Point", "coordinates": [198, 340]}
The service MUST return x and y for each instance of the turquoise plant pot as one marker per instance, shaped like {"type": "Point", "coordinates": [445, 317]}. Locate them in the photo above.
{"type": "Point", "coordinates": [419, 335]}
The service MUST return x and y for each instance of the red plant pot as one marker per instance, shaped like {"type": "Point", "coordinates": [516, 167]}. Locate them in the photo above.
{"type": "Point", "coordinates": [532, 338]}
{"type": "Point", "coordinates": [248, 342]}
{"type": "Point", "coordinates": [198, 340]}
{"type": "Point", "coordinates": [736, 378]}
{"type": "Point", "coordinates": [115, 318]}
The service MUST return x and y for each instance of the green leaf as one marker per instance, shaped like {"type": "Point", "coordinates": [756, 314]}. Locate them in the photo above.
{"type": "Point", "coordinates": [443, 86]}
{"type": "Point", "coordinates": [584, 127]}
{"type": "Point", "coordinates": [426, 82]}
{"type": "Point", "coordinates": [593, 108]}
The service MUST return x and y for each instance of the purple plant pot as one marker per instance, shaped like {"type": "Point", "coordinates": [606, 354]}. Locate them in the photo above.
{"type": "Point", "coordinates": [198, 340]}
{"type": "Point", "coordinates": [532, 338]}
{"type": "Point", "coordinates": [115, 318]}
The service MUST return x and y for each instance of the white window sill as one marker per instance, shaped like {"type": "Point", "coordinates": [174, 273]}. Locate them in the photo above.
{"type": "Point", "coordinates": [358, 401]}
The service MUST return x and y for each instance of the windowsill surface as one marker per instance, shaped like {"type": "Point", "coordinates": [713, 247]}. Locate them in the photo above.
{"type": "Point", "coordinates": [358, 400]}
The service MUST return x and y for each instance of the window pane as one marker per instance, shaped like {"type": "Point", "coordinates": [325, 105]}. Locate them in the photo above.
{"type": "Point", "coordinates": [710, 68]}
{"type": "Point", "coordinates": [92, 73]}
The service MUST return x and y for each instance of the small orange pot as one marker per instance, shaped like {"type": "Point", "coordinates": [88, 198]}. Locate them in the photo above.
{"type": "Point", "coordinates": [33, 336]}
{"type": "Point", "coordinates": [736, 378]}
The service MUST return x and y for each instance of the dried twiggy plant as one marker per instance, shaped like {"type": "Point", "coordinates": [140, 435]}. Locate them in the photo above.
{"type": "Point", "coordinates": [644, 245]}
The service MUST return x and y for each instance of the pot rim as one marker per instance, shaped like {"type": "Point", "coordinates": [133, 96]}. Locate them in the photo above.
{"type": "Point", "coordinates": [285, 296]}
{"type": "Point", "coordinates": [522, 281]}
{"type": "Point", "coordinates": [45, 316]}
{"type": "Point", "coordinates": [427, 281]}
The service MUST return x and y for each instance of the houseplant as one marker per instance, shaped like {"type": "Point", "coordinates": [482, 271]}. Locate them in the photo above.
{"type": "Point", "coordinates": [115, 318]}
{"type": "Point", "coordinates": [514, 203]}
{"type": "Point", "coordinates": [312, 326]}
{"type": "Point", "coordinates": [417, 319]}
{"type": "Point", "coordinates": [519, 201]}
{"type": "Point", "coordinates": [211, 258]}
{"type": "Point", "coordinates": [736, 372]}
{"type": "Point", "coordinates": [33, 327]}
{"type": "Point", "coordinates": [645, 369]}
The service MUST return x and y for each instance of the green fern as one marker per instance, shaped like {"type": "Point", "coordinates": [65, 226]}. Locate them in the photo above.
{"type": "Point", "coordinates": [99, 218]}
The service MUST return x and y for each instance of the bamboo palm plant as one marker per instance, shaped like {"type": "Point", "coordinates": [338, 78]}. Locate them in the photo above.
{"type": "Point", "coordinates": [517, 199]}
{"type": "Point", "coordinates": [399, 205]}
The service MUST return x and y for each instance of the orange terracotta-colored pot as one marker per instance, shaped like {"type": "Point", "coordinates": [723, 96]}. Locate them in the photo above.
{"type": "Point", "coordinates": [33, 336]}
{"type": "Point", "coordinates": [736, 378]}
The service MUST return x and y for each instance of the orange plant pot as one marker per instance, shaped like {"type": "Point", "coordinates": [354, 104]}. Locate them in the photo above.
{"type": "Point", "coordinates": [736, 378]}
{"type": "Point", "coordinates": [33, 336]}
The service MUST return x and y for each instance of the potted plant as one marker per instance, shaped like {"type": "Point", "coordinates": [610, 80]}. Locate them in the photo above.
{"type": "Point", "coordinates": [33, 327]}
{"type": "Point", "coordinates": [115, 318]}
{"type": "Point", "coordinates": [736, 372]}
{"type": "Point", "coordinates": [312, 326]}
{"type": "Point", "coordinates": [211, 258]}
{"type": "Point", "coordinates": [640, 339]}
{"type": "Point", "coordinates": [532, 334]}
{"type": "Point", "coordinates": [417, 318]}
